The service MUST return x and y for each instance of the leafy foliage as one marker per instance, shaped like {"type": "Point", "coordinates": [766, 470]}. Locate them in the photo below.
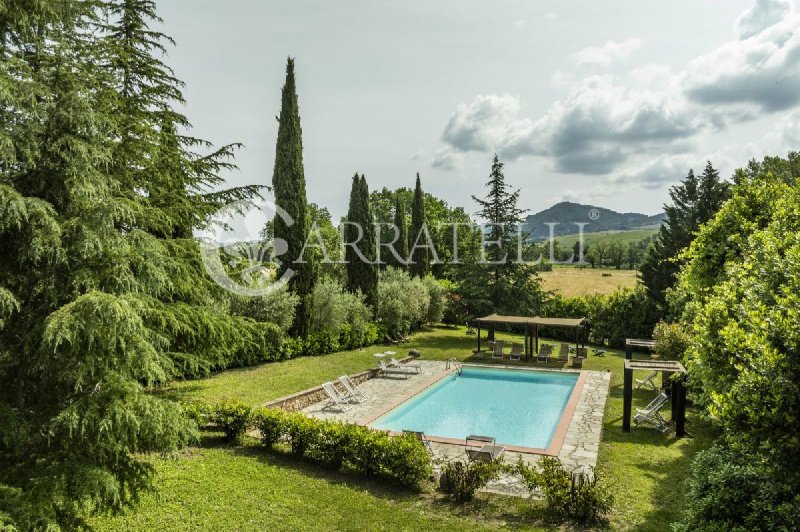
{"type": "Point", "coordinates": [419, 254]}
{"type": "Point", "coordinates": [463, 479]}
{"type": "Point", "coordinates": [672, 340]}
{"type": "Point", "coordinates": [577, 496]}
{"type": "Point", "coordinates": [403, 301]}
{"type": "Point", "coordinates": [741, 284]}
{"type": "Point", "coordinates": [233, 417]}
{"type": "Point", "coordinates": [277, 306]}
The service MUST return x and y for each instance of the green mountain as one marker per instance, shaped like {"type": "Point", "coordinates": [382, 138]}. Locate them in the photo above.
{"type": "Point", "coordinates": [566, 215]}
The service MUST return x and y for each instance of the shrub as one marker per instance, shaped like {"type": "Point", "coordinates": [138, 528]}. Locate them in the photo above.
{"type": "Point", "coordinates": [272, 424]}
{"type": "Point", "coordinates": [407, 460]}
{"type": "Point", "coordinates": [463, 479]}
{"type": "Point", "coordinates": [277, 306]}
{"type": "Point", "coordinates": [330, 444]}
{"type": "Point", "coordinates": [403, 301]}
{"type": "Point", "coordinates": [576, 496]}
{"type": "Point", "coordinates": [366, 450]}
{"type": "Point", "coordinates": [233, 417]}
{"type": "Point", "coordinates": [438, 290]}
{"type": "Point", "coordinates": [302, 431]}
{"type": "Point", "coordinates": [672, 340]}
{"type": "Point", "coordinates": [200, 413]}
{"type": "Point", "coordinates": [731, 491]}
{"type": "Point", "coordinates": [339, 320]}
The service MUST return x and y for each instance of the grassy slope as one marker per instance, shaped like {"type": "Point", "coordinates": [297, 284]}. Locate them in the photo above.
{"type": "Point", "coordinates": [571, 282]}
{"type": "Point", "coordinates": [244, 488]}
{"type": "Point", "coordinates": [635, 235]}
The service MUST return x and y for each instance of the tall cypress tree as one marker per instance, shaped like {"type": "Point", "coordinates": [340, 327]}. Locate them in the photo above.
{"type": "Point", "coordinates": [362, 273]}
{"type": "Point", "coordinates": [289, 187]}
{"type": "Point", "coordinates": [401, 245]}
{"type": "Point", "coordinates": [694, 202]}
{"type": "Point", "coordinates": [420, 257]}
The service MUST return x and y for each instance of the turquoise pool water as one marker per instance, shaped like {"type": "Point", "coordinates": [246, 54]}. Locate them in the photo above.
{"type": "Point", "coordinates": [516, 407]}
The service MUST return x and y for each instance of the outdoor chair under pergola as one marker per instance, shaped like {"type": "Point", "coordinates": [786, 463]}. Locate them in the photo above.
{"type": "Point", "coordinates": [531, 326]}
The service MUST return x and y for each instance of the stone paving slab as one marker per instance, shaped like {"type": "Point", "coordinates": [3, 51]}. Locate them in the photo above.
{"type": "Point", "coordinates": [578, 451]}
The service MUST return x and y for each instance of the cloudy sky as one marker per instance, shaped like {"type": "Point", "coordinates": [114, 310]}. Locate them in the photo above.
{"type": "Point", "coordinates": [607, 103]}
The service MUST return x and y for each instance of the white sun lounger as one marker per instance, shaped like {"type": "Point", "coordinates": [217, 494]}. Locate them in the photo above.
{"type": "Point", "coordinates": [386, 370]}
{"type": "Point", "coordinates": [353, 390]}
{"type": "Point", "coordinates": [649, 415]}
{"type": "Point", "coordinates": [397, 364]}
{"type": "Point", "coordinates": [648, 382]}
{"type": "Point", "coordinates": [335, 398]}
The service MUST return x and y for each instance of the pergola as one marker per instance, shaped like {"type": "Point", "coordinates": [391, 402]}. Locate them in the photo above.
{"type": "Point", "coordinates": [677, 393]}
{"type": "Point", "coordinates": [531, 325]}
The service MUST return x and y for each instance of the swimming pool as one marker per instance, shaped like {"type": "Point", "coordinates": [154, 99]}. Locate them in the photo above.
{"type": "Point", "coordinates": [517, 407]}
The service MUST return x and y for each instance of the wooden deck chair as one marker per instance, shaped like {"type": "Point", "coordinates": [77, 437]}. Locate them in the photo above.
{"type": "Point", "coordinates": [648, 382]}
{"type": "Point", "coordinates": [497, 352]}
{"type": "Point", "coordinates": [545, 353]}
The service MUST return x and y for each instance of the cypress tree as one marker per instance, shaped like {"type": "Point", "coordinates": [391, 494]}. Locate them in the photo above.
{"type": "Point", "coordinates": [420, 257]}
{"type": "Point", "coordinates": [289, 187]}
{"type": "Point", "coordinates": [401, 245]}
{"type": "Point", "coordinates": [362, 273]}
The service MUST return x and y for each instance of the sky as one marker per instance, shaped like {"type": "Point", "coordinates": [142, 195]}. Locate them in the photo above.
{"type": "Point", "coordinates": [606, 103]}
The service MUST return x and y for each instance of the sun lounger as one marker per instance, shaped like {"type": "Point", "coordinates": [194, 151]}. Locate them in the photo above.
{"type": "Point", "coordinates": [390, 340]}
{"type": "Point", "coordinates": [497, 350]}
{"type": "Point", "coordinates": [516, 352]}
{"type": "Point", "coordinates": [563, 353]}
{"type": "Point", "coordinates": [353, 390]}
{"type": "Point", "coordinates": [648, 382]}
{"type": "Point", "coordinates": [649, 415]}
{"type": "Point", "coordinates": [421, 437]}
{"type": "Point", "coordinates": [487, 453]}
{"type": "Point", "coordinates": [544, 353]}
{"type": "Point", "coordinates": [386, 370]}
{"type": "Point", "coordinates": [335, 398]}
{"type": "Point", "coordinates": [394, 363]}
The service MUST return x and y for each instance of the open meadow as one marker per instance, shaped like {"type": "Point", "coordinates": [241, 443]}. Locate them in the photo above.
{"type": "Point", "coordinates": [570, 281]}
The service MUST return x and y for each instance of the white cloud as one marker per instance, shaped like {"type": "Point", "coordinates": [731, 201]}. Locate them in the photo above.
{"type": "Point", "coordinates": [762, 15]}
{"type": "Point", "coordinates": [551, 16]}
{"type": "Point", "coordinates": [602, 56]}
{"type": "Point", "coordinates": [762, 71]}
{"type": "Point", "coordinates": [446, 159]}
{"type": "Point", "coordinates": [519, 23]}
{"type": "Point", "coordinates": [616, 124]}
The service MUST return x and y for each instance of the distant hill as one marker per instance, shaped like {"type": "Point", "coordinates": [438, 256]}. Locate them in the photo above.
{"type": "Point", "coordinates": [566, 214]}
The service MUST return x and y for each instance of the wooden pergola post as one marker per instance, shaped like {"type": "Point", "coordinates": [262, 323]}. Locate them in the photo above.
{"type": "Point", "coordinates": [536, 339]}
{"type": "Point", "coordinates": [678, 395]}
{"type": "Point", "coordinates": [627, 395]}
{"type": "Point", "coordinates": [479, 336]}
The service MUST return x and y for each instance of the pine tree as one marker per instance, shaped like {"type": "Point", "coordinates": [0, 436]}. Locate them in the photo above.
{"type": "Point", "coordinates": [420, 261]}
{"type": "Point", "coordinates": [511, 285]}
{"type": "Point", "coordinates": [401, 244]}
{"type": "Point", "coordinates": [362, 273]}
{"type": "Point", "coordinates": [289, 187]}
{"type": "Point", "coordinates": [100, 293]}
{"type": "Point", "coordinates": [694, 202]}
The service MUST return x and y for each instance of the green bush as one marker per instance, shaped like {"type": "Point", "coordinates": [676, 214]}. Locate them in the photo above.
{"type": "Point", "coordinates": [366, 450]}
{"type": "Point", "coordinates": [303, 432]}
{"type": "Point", "coordinates": [403, 301]}
{"type": "Point", "coordinates": [272, 424]}
{"type": "Point", "coordinates": [330, 443]}
{"type": "Point", "coordinates": [731, 491]}
{"type": "Point", "coordinates": [462, 479]}
{"type": "Point", "coordinates": [277, 306]}
{"type": "Point", "coordinates": [576, 496]}
{"type": "Point", "coordinates": [407, 460]}
{"type": "Point", "coordinates": [672, 340]}
{"type": "Point", "coordinates": [233, 417]}
{"type": "Point", "coordinates": [200, 413]}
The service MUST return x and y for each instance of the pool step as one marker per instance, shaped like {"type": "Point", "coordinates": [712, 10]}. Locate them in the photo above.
{"type": "Point", "coordinates": [455, 364]}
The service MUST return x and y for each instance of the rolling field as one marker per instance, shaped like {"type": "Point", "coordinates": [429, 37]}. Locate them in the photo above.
{"type": "Point", "coordinates": [572, 282]}
{"type": "Point", "coordinates": [607, 237]}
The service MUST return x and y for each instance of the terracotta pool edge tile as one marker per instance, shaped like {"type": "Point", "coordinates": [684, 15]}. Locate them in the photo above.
{"type": "Point", "coordinates": [566, 417]}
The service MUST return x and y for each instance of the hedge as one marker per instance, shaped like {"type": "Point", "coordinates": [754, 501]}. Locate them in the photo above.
{"type": "Point", "coordinates": [330, 443]}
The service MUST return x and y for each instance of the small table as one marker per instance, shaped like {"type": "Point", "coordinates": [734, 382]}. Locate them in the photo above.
{"type": "Point", "coordinates": [390, 352]}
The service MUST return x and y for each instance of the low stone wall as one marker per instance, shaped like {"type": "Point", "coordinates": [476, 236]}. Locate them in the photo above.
{"type": "Point", "coordinates": [300, 400]}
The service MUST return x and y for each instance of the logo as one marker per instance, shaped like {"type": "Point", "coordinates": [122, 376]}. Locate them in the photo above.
{"type": "Point", "coordinates": [239, 254]}
{"type": "Point", "coordinates": [594, 214]}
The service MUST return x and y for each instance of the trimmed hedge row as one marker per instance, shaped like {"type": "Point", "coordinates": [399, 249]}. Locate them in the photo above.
{"type": "Point", "coordinates": [329, 443]}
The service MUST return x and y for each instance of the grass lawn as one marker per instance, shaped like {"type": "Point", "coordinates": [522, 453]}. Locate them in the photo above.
{"type": "Point", "coordinates": [607, 237]}
{"type": "Point", "coordinates": [220, 487]}
{"type": "Point", "coordinates": [575, 282]}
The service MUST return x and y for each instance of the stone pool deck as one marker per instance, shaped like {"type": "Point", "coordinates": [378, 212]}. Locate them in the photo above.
{"type": "Point", "coordinates": [578, 450]}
